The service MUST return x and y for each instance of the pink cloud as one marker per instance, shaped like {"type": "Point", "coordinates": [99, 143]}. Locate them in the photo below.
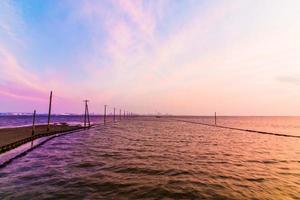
{"type": "Point", "coordinates": [12, 71]}
{"type": "Point", "coordinates": [138, 14]}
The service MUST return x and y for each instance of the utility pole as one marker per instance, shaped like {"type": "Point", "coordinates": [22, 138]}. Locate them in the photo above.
{"type": "Point", "coordinates": [49, 112]}
{"type": "Point", "coordinates": [104, 115]}
{"type": "Point", "coordinates": [33, 123]}
{"type": "Point", "coordinates": [215, 119]}
{"type": "Point", "coordinates": [114, 114]}
{"type": "Point", "coordinates": [86, 114]}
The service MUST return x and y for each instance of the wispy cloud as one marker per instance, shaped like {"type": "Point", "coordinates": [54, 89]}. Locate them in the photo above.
{"type": "Point", "coordinates": [12, 71]}
{"type": "Point", "coordinates": [294, 80]}
{"type": "Point", "coordinates": [15, 80]}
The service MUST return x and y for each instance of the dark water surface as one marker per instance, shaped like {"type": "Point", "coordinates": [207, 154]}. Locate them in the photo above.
{"type": "Point", "coordinates": [154, 159]}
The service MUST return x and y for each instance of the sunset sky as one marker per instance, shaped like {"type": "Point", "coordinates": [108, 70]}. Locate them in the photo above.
{"type": "Point", "coordinates": [178, 56]}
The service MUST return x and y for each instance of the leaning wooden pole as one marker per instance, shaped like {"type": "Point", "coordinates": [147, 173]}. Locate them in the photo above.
{"type": "Point", "coordinates": [33, 124]}
{"type": "Point", "coordinates": [49, 112]}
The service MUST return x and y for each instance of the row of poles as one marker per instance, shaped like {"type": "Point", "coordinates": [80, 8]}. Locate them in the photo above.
{"type": "Point", "coordinates": [87, 122]}
{"type": "Point", "coordinates": [115, 115]}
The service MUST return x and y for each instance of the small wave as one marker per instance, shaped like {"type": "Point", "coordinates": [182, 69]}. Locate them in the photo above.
{"type": "Point", "coordinates": [87, 165]}
{"type": "Point", "coordinates": [289, 174]}
{"type": "Point", "coordinates": [242, 186]}
{"type": "Point", "coordinates": [138, 170]}
{"type": "Point", "coordinates": [263, 161]}
{"type": "Point", "coordinates": [176, 172]}
{"type": "Point", "coordinates": [227, 177]}
{"type": "Point", "coordinates": [256, 179]}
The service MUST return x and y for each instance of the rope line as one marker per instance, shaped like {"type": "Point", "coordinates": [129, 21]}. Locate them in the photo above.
{"type": "Point", "coordinates": [240, 129]}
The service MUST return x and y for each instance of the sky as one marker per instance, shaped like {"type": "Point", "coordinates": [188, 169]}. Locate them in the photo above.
{"type": "Point", "coordinates": [190, 57]}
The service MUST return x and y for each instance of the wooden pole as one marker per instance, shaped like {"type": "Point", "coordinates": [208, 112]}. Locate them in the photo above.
{"type": "Point", "coordinates": [124, 114]}
{"type": "Point", "coordinates": [49, 113]}
{"type": "Point", "coordinates": [104, 115]}
{"type": "Point", "coordinates": [33, 123]}
{"type": "Point", "coordinates": [84, 114]}
{"type": "Point", "coordinates": [88, 114]}
{"type": "Point", "coordinates": [120, 115]}
{"type": "Point", "coordinates": [215, 118]}
{"type": "Point", "coordinates": [114, 114]}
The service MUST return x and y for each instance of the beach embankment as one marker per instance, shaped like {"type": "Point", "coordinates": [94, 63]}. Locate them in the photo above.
{"type": "Point", "coordinates": [13, 137]}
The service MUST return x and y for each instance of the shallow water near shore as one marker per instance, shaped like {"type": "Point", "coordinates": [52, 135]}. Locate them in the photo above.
{"type": "Point", "coordinates": [148, 158]}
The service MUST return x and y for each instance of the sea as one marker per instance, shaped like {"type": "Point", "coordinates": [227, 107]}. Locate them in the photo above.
{"type": "Point", "coordinates": [160, 158]}
{"type": "Point", "coordinates": [10, 121]}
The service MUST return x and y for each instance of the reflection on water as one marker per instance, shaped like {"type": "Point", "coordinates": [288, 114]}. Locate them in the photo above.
{"type": "Point", "coordinates": [150, 159]}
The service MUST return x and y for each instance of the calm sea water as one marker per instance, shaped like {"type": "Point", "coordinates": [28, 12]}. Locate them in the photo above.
{"type": "Point", "coordinates": [25, 120]}
{"type": "Point", "coordinates": [157, 158]}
